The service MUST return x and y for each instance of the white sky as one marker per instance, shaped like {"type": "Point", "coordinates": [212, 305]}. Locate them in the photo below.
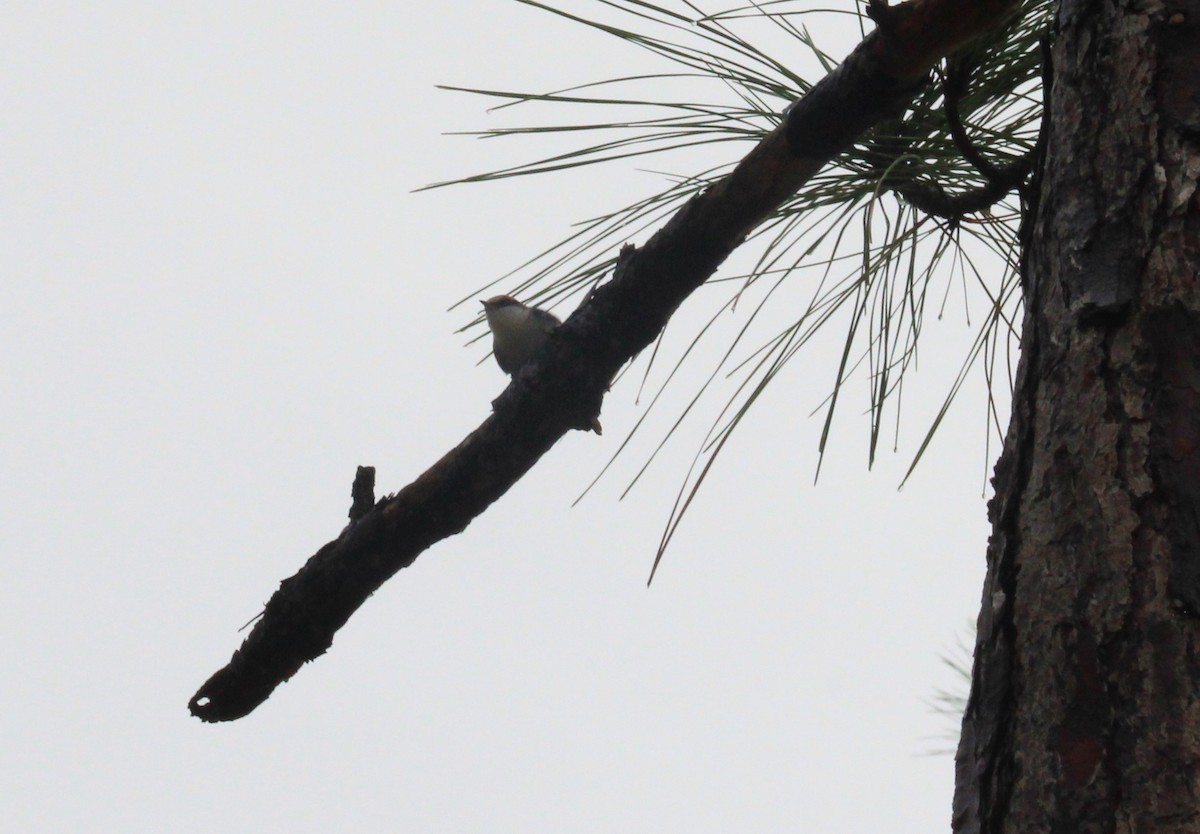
{"type": "Point", "coordinates": [220, 296]}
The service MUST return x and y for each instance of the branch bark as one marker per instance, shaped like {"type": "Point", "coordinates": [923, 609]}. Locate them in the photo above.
{"type": "Point", "coordinates": [562, 388]}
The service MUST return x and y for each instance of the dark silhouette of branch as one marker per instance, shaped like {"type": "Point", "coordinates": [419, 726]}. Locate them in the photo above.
{"type": "Point", "coordinates": [1001, 178]}
{"type": "Point", "coordinates": [362, 493]}
{"type": "Point", "coordinates": [563, 386]}
{"type": "Point", "coordinates": [954, 86]}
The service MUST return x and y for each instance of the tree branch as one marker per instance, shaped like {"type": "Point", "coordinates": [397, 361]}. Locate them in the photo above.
{"type": "Point", "coordinates": [563, 386]}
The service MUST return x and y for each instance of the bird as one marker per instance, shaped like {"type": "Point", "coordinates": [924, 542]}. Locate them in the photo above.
{"type": "Point", "coordinates": [518, 331]}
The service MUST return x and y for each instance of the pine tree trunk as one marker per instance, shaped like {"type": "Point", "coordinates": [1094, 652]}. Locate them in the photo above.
{"type": "Point", "coordinates": [1084, 712]}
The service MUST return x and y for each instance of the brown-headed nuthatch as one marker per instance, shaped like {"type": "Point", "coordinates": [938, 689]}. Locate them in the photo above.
{"type": "Point", "coordinates": [517, 333]}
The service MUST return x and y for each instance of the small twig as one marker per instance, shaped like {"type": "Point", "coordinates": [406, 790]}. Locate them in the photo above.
{"type": "Point", "coordinates": [954, 84]}
{"type": "Point", "coordinates": [362, 493]}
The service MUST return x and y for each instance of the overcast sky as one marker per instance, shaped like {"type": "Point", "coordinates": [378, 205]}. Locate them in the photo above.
{"type": "Point", "coordinates": [221, 295]}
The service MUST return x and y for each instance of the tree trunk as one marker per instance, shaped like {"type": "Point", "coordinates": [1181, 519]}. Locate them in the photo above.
{"type": "Point", "coordinates": [1084, 712]}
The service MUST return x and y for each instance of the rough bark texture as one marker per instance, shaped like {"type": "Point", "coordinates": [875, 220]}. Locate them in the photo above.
{"type": "Point", "coordinates": [1084, 714]}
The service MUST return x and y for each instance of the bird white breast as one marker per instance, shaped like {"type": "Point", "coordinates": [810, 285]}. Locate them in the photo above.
{"type": "Point", "coordinates": [516, 335]}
